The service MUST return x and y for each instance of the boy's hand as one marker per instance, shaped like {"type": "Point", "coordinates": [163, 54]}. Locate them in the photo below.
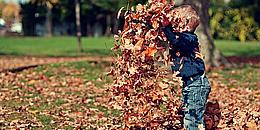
{"type": "Point", "coordinates": [198, 55]}
{"type": "Point", "coordinates": [165, 21]}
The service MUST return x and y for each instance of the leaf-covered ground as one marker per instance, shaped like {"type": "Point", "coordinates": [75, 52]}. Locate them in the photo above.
{"type": "Point", "coordinates": [237, 90]}
{"type": "Point", "coordinates": [72, 95]}
{"type": "Point", "coordinates": [63, 96]}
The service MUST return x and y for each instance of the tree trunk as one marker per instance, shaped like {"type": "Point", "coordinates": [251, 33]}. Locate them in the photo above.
{"type": "Point", "coordinates": [28, 19]}
{"type": "Point", "coordinates": [115, 24]}
{"type": "Point", "coordinates": [77, 12]}
{"type": "Point", "coordinates": [49, 22]}
{"type": "Point", "coordinates": [89, 29]}
{"type": "Point", "coordinates": [108, 22]}
{"type": "Point", "coordinates": [213, 57]}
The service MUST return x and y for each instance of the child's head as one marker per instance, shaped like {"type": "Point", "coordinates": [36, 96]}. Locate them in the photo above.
{"type": "Point", "coordinates": [190, 17]}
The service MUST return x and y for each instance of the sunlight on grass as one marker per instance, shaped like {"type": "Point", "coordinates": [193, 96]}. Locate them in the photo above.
{"type": "Point", "coordinates": [236, 48]}
{"type": "Point", "coordinates": [101, 46]}
{"type": "Point", "coordinates": [55, 46]}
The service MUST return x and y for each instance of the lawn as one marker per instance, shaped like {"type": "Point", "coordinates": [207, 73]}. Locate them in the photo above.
{"type": "Point", "coordinates": [246, 76]}
{"type": "Point", "coordinates": [66, 46]}
{"type": "Point", "coordinates": [55, 46]}
{"type": "Point", "coordinates": [236, 48]}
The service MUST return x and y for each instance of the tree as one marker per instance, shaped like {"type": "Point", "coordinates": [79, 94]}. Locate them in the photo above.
{"type": "Point", "coordinates": [11, 12]}
{"type": "Point", "coordinates": [109, 8]}
{"type": "Point", "coordinates": [49, 5]}
{"type": "Point", "coordinates": [2, 4]}
{"type": "Point", "coordinates": [213, 57]}
{"type": "Point", "coordinates": [77, 12]}
{"type": "Point", "coordinates": [28, 11]}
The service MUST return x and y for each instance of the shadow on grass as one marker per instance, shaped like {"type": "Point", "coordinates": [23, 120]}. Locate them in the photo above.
{"type": "Point", "coordinates": [11, 53]}
{"type": "Point", "coordinates": [243, 53]}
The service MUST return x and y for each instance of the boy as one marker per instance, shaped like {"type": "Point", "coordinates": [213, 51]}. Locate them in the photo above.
{"type": "Point", "coordinates": [187, 61]}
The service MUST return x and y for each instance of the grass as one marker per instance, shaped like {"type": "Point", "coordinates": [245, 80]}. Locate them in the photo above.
{"type": "Point", "coordinates": [247, 76]}
{"type": "Point", "coordinates": [236, 48]}
{"type": "Point", "coordinates": [55, 46]}
{"type": "Point", "coordinates": [66, 46]}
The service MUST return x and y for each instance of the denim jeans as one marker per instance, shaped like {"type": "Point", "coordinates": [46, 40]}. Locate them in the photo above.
{"type": "Point", "coordinates": [194, 98]}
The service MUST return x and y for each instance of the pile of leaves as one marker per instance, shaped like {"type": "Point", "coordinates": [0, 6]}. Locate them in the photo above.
{"type": "Point", "coordinates": [142, 88]}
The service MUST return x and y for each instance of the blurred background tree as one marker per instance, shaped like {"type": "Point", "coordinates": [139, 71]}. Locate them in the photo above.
{"type": "Point", "coordinates": [230, 19]}
{"type": "Point", "coordinates": [2, 4]}
{"type": "Point", "coordinates": [78, 25]}
{"type": "Point", "coordinates": [221, 19]}
{"type": "Point", "coordinates": [235, 19]}
{"type": "Point", "coordinates": [48, 4]}
{"type": "Point", "coordinates": [11, 12]}
{"type": "Point", "coordinates": [30, 15]}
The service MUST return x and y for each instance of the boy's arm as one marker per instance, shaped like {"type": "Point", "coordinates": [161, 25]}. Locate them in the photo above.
{"type": "Point", "coordinates": [167, 29]}
{"type": "Point", "coordinates": [186, 42]}
{"type": "Point", "coordinates": [170, 35]}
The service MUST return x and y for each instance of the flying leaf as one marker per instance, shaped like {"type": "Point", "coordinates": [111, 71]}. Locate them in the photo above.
{"type": "Point", "coordinates": [119, 12]}
{"type": "Point", "coordinates": [139, 44]}
{"type": "Point", "coordinates": [150, 51]}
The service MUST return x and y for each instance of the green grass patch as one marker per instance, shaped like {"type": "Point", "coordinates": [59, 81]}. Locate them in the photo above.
{"type": "Point", "coordinates": [59, 102]}
{"type": "Point", "coordinates": [69, 128]}
{"type": "Point", "coordinates": [55, 46]}
{"type": "Point", "coordinates": [101, 46]}
{"type": "Point", "coordinates": [236, 48]}
{"type": "Point", "coordinates": [45, 119]}
{"type": "Point", "coordinates": [247, 76]}
{"type": "Point", "coordinates": [12, 103]}
{"type": "Point", "coordinates": [32, 95]}
{"type": "Point", "coordinates": [43, 106]}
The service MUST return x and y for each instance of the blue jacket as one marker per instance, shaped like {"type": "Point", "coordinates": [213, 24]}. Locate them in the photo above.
{"type": "Point", "coordinates": [182, 51]}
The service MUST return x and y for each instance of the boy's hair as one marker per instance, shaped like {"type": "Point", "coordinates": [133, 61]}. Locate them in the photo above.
{"type": "Point", "coordinates": [190, 15]}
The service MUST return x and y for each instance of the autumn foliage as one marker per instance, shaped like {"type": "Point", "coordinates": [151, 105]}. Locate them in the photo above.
{"type": "Point", "coordinates": [142, 88]}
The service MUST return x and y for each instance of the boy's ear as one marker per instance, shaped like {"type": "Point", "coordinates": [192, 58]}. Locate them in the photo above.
{"type": "Point", "coordinates": [193, 23]}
